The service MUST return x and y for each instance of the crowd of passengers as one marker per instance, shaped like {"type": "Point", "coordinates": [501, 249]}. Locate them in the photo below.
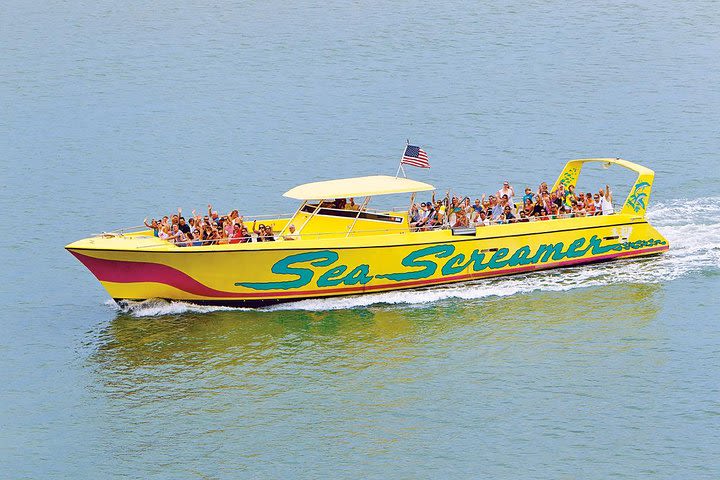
{"type": "Point", "coordinates": [503, 207]}
{"type": "Point", "coordinates": [211, 229]}
{"type": "Point", "coordinates": [456, 212]}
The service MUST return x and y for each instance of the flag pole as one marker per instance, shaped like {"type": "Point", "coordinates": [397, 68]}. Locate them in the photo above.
{"type": "Point", "coordinates": [400, 167]}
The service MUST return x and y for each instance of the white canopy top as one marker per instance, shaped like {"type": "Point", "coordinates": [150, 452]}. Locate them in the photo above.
{"type": "Point", "coordinates": [356, 187]}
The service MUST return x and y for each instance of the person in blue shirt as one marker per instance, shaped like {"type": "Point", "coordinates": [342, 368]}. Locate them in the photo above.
{"type": "Point", "coordinates": [478, 206]}
{"type": "Point", "coordinates": [497, 210]}
{"type": "Point", "coordinates": [528, 196]}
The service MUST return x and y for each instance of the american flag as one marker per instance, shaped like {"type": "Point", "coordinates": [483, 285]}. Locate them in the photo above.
{"type": "Point", "coordinates": [415, 156]}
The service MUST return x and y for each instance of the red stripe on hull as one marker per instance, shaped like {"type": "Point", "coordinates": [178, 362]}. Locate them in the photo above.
{"type": "Point", "coordinates": [130, 272]}
{"type": "Point", "coordinates": [120, 271]}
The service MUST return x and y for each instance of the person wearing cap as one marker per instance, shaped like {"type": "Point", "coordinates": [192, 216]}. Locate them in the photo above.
{"type": "Point", "coordinates": [427, 215]}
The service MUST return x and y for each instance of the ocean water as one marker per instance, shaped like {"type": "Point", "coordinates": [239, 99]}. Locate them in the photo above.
{"type": "Point", "coordinates": [113, 112]}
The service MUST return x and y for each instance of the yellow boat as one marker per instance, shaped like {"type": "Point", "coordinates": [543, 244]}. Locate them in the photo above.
{"type": "Point", "coordinates": [337, 252]}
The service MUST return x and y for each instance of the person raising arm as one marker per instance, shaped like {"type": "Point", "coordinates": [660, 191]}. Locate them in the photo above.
{"type": "Point", "coordinates": [153, 226]}
{"type": "Point", "coordinates": [606, 206]}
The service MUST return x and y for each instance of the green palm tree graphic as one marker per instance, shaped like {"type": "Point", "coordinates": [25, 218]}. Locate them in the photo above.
{"type": "Point", "coordinates": [636, 200]}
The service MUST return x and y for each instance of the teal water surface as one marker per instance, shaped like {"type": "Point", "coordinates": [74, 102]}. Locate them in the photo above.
{"type": "Point", "coordinates": [113, 112]}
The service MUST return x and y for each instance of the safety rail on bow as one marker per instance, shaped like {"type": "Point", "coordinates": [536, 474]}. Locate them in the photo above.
{"type": "Point", "coordinates": [139, 228]}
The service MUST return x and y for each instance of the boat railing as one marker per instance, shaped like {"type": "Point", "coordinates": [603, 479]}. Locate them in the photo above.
{"type": "Point", "coordinates": [139, 228]}
{"type": "Point", "coordinates": [251, 218]}
{"type": "Point", "coordinates": [121, 231]}
{"type": "Point", "coordinates": [320, 235]}
{"type": "Point", "coordinates": [254, 238]}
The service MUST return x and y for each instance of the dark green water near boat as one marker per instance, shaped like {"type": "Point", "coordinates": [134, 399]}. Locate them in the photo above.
{"type": "Point", "coordinates": [110, 113]}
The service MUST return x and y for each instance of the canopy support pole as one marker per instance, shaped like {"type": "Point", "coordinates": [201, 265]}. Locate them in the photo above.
{"type": "Point", "coordinates": [289, 222]}
{"type": "Point", "coordinates": [317, 209]}
{"type": "Point", "coordinates": [363, 206]}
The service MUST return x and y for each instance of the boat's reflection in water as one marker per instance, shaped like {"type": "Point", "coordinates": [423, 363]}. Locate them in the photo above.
{"type": "Point", "coordinates": [233, 347]}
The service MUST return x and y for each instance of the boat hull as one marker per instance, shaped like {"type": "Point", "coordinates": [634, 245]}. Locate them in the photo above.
{"type": "Point", "coordinates": [255, 275]}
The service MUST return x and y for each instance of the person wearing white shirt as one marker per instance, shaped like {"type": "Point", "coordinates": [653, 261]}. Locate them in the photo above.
{"type": "Point", "coordinates": [508, 190]}
{"type": "Point", "coordinates": [606, 201]}
{"type": "Point", "coordinates": [481, 220]}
